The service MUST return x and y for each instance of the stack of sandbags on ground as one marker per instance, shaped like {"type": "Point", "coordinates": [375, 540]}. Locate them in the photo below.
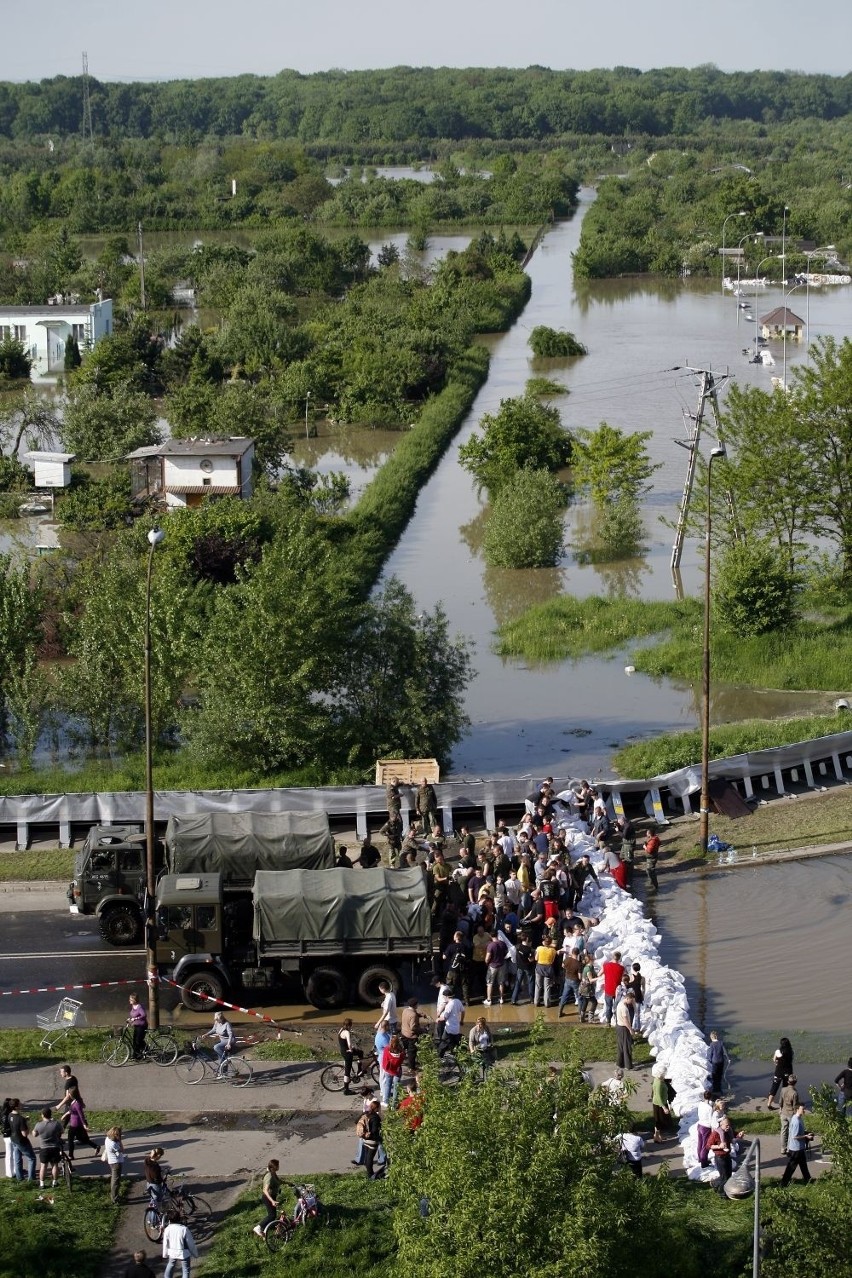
{"type": "Point", "coordinates": [674, 1040]}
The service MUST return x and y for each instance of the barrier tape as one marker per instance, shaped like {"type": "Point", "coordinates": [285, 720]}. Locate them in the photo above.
{"type": "Point", "coordinates": [234, 1007]}
{"type": "Point", "coordinates": [87, 985]}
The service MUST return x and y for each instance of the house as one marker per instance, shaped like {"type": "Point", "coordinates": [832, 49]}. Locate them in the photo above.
{"type": "Point", "coordinates": [50, 470]}
{"type": "Point", "coordinates": [42, 330]}
{"type": "Point", "coordinates": [185, 471]}
{"type": "Point", "coordinates": [782, 322]}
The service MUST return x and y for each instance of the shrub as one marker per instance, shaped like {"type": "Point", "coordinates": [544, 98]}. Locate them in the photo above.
{"type": "Point", "coordinates": [523, 434]}
{"type": "Point", "coordinates": [755, 591]}
{"type": "Point", "coordinates": [525, 526]}
{"type": "Point", "coordinates": [550, 343]}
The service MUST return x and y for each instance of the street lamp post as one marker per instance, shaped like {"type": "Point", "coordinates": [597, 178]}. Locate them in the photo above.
{"type": "Point", "coordinates": [155, 536]}
{"type": "Point", "coordinates": [307, 403]}
{"type": "Point", "coordinates": [742, 1185]}
{"type": "Point", "coordinates": [784, 308]}
{"type": "Point", "coordinates": [704, 813]}
{"type": "Point", "coordinates": [784, 246]}
{"type": "Point", "coordinates": [757, 235]}
{"type": "Point", "coordinates": [756, 284]}
{"type": "Point", "coordinates": [724, 225]}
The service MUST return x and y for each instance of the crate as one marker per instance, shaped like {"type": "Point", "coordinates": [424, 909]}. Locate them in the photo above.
{"type": "Point", "coordinates": [408, 771]}
{"type": "Point", "coordinates": [60, 1021]}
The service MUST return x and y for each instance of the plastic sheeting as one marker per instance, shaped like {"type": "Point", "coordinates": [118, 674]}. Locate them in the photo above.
{"type": "Point", "coordinates": [237, 844]}
{"type": "Point", "coordinates": [336, 906]}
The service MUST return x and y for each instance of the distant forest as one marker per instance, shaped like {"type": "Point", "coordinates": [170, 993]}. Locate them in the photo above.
{"type": "Point", "coordinates": [358, 111]}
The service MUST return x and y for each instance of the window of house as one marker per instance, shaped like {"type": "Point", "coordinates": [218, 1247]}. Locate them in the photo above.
{"type": "Point", "coordinates": [79, 332]}
{"type": "Point", "coordinates": [20, 332]}
{"type": "Point", "coordinates": [5, 332]}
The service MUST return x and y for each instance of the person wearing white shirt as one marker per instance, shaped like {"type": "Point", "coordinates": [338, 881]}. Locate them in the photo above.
{"type": "Point", "coordinates": [632, 1149]}
{"type": "Point", "coordinates": [450, 1016]}
{"type": "Point", "coordinates": [178, 1245]}
{"type": "Point", "coordinates": [389, 1012]}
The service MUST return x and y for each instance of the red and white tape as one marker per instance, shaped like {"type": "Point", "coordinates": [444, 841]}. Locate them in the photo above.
{"type": "Point", "coordinates": [220, 1002]}
{"type": "Point", "coordinates": [62, 989]}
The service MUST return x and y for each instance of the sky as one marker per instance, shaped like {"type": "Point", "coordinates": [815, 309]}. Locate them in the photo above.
{"type": "Point", "coordinates": [194, 38]}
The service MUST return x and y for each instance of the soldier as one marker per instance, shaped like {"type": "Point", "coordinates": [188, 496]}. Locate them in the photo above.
{"type": "Point", "coordinates": [426, 804]}
{"type": "Point", "coordinates": [393, 798]}
{"type": "Point", "coordinates": [392, 831]}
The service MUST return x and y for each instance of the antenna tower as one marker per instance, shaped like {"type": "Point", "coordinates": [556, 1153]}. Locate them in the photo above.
{"type": "Point", "coordinates": [87, 102]}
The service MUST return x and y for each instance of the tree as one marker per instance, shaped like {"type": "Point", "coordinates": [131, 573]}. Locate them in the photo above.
{"type": "Point", "coordinates": [20, 630]}
{"type": "Point", "coordinates": [29, 414]}
{"type": "Point", "coordinates": [822, 400]}
{"type": "Point", "coordinates": [401, 683]}
{"type": "Point", "coordinates": [520, 1130]}
{"type": "Point", "coordinates": [755, 590]}
{"type": "Point", "coordinates": [107, 425]}
{"type": "Point", "coordinates": [73, 358]}
{"type": "Point", "coordinates": [615, 467]}
{"type": "Point", "coordinates": [549, 343]}
{"type": "Point", "coordinates": [523, 433]}
{"type": "Point", "coordinates": [524, 528]}
{"type": "Point", "coordinates": [15, 363]}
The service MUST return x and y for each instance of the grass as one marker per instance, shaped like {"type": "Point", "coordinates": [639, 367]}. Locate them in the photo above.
{"type": "Point", "coordinates": [779, 826]}
{"type": "Point", "coordinates": [812, 655]}
{"type": "Point", "coordinates": [29, 867]}
{"type": "Point", "coordinates": [355, 1238]}
{"type": "Point", "coordinates": [544, 386]}
{"type": "Point", "coordinates": [72, 1236]}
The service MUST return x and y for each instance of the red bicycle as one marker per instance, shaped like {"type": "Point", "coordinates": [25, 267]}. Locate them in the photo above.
{"type": "Point", "coordinates": [308, 1208]}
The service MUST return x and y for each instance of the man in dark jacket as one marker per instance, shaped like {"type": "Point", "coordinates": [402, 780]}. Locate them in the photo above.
{"type": "Point", "coordinates": [580, 873]}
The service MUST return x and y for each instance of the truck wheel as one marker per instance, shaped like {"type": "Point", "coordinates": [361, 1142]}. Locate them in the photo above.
{"type": "Point", "coordinates": [327, 987]}
{"type": "Point", "coordinates": [198, 984]}
{"type": "Point", "coordinates": [368, 984]}
{"type": "Point", "coordinates": [121, 925]}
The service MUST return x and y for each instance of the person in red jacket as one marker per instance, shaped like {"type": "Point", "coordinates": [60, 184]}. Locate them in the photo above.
{"type": "Point", "coordinates": [612, 972]}
{"type": "Point", "coordinates": [392, 1058]}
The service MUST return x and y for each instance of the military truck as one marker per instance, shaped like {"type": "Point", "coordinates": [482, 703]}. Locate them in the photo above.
{"type": "Point", "coordinates": [330, 935]}
{"type": "Point", "coordinates": [110, 875]}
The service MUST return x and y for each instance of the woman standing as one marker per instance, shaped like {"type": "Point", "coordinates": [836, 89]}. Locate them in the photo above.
{"type": "Point", "coordinates": [7, 1134]}
{"type": "Point", "coordinates": [269, 1196]}
{"type": "Point", "coordinates": [348, 1051]}
{"type": "Point", "coordinates": [391, 1062]}
{"type": "Point", "coordinates": [587, 995]}
{"type": "Point", "coordinates": [481, 1043]}
{"type": "Point", "coordinates": [372, 1139]}
{"type": "Point", "coordinates": [114, 1157]}
{"type": "Point", "coordinates": [78, 1128]}
{"type": "Point", "coordinates": [782, 1068]}
{"type": "Point", "coordinates": [660, 1103]}
{"type": "Point", "coordinates": [138, 1022]}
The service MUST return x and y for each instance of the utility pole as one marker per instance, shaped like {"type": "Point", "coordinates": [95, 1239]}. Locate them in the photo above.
{"type": "Point", "coordinates": [708, 393]}
{"type": "Point", "coordinates": [88, 135]}
{"type": "Point", "coordinates": [141, 264]}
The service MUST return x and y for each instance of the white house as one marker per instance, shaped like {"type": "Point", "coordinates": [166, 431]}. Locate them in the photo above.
{"type": "Point", "coordinates": [42, 330]}
{"type": "Point", "coordinates": [186, 471]}
{"type": "Point", "coordinates": [51, 470]}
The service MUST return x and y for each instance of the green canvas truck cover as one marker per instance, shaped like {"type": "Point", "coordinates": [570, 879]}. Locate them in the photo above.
{"type": "Point", "coordinates": [237, 844]}
{"type": "Point", "coordinates": [333, 906]}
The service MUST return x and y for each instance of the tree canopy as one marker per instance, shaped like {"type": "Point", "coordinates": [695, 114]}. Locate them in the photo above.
{"type": "Point", "coordinates": [522, 434]}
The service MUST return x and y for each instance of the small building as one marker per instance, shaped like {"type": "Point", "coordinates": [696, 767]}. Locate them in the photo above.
{"type": "Point", "coordinates": [43, 330]}
{"type": "Point", "coordinates": [51, 470]}
{"type": "Point", "coordinates": [782, 322]}
{"type": "Point", "coordinates": [184, 472]}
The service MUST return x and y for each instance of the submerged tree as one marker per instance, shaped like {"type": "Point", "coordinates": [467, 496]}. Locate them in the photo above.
{"type": "Point", "coordinates": [614, 465]}
{"type": "Point", "coordinates": [524, 527]}
{"type": "Point", "coordinates": [522, 434]}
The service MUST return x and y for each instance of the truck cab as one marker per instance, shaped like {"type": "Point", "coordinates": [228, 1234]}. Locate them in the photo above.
{"type": "Point", "coordinates": [109, 881]}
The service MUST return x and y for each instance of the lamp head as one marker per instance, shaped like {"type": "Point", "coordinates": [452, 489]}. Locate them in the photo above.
{"type": "Point", "coordinates": [740, 1185]}
{"type": "Point", "coordinates": [718, 451]}
{"type": "Point", "coordinates": [155, 536]}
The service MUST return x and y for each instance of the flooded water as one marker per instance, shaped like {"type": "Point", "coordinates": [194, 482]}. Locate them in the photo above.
{"type": "Point", "coordinates": [643, 336]}
{"type": "Point", "coordinates": [761, 948]}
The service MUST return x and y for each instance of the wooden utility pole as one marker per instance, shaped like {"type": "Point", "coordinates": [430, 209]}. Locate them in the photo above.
{"type": "Point", "coordinates": [141, 264]}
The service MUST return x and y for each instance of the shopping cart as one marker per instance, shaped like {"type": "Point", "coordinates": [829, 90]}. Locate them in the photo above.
{"type": "Point", "coordinates": [60, 1021]}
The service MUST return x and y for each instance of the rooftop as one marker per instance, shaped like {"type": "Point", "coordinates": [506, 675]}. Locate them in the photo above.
{"type": "Point", "coordinates": [783, 317]}
{"type": "Point", "coordinates": [234, 446]}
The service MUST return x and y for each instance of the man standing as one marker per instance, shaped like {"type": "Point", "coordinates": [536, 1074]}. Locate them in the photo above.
{"type": "Point", "coordinates": [496, 953]}
{"type": "Point", "coordinates": [624, 1030]}
{"type": "Point", "coordinates": [797, 1148]}
{"type": "Point", "coordinates": [450, 1020]}
{"type": "Point", "coordinates": [411, 1028]}
{"type": "Point", "coordinates": [790, 1102]}
{"type": "Point", "coordinates": [22, 1150]}
{"type": "Point", "coordinates": [545, 957]}
{"type": "Point", "coordinates": [582, 871]}
{"type": "Point", "coordinates": [388, 1012]}
{"type": "Point", "coordinates": [652, 856]}
{"type": "Point", "coordinates": [426, 805]}
{"type": "Point", "coordinates": [393, 799]}
{"type": "Point", "coordinates": [572, 967]}
{"type": "Point", "coordinates": [178, 1245]}
{"type": "Point", "coordinates": [612, 972]}
{"type": "Point", "coordinates": [457, 965]}
{"type": "Point", "coordinates": [49, 1133]}
{"type": "Point", "coordinates": [392, 831]}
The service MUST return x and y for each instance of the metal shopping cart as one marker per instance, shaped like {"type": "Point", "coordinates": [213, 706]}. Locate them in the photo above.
{"type": "Point", "coordinates": [60, 1021]}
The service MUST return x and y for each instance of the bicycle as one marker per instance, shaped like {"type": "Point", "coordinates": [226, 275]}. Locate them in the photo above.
{"type": "Point", "coordinates": [199, 1061]}
{"type": "Point", "coordinates": [333, 1077]}
{"type": "Point", "coordinates": [160, 1047]}
{"type": "Point", "coordinates": [282, 1230]}
{"type": "Point", "coordinates": [176, 1203]}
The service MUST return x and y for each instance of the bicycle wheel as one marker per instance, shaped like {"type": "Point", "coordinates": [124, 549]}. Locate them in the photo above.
{"type": "Point", "coordinates": [153, 1224]}
{"type": "Point", "coordinates": [333, 1078]}
{"type": "Point", "coordinates": [449, 1069]}
{"type": "Point", "coordinates": [237, 1071]}
{"type": "Point", "coordinates": [115, 1051]}
{"type": "Point", "coordinates": [373, 1072]}
{"type": "Point", "coordinates": [278, 1233]}
{"type": "Point", "coordinates": [198, 1211]}
{"type": "Point", "coordinates": [189, 1069]}
{"type": "Point", "coordinates": [162, 1047]}
{"type": "Point", "coordinates": [66, 1172]}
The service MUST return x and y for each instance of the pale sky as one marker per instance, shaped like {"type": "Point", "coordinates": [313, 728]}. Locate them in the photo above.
{"type": "Point", "coordinates": [194, 38]}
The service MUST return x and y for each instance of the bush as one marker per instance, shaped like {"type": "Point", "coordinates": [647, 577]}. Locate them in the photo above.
{"type": "Point", "coordinates": [525, 525]}
{"type": "Point", "coordinates": [522, 435]}
{"type": "Point", "coordinates": [551, 343]}
{"type": "Point", "coordinates": [545, 387]}
{"type": "Point", "coordinates": [755, 592]}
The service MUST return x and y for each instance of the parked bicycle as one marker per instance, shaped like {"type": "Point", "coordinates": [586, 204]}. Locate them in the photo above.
{"type": "Point", "coordinates": [160, 1046]}
{"type": "Point", "coordinates": [333, 1077]}
{"type": "Point", "coordinates": [199, 1062]}
{"type": "Point", "coordinates": [175, 1203]}
{"type": "Point", "coordinates": [308, 1208]}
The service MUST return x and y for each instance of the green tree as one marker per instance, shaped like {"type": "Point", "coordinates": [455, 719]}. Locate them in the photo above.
{"type": "Point", "coordinates": [107, 425]}
{"type": "Point", "coordinates": [73, 358]}
{"type": "Point", "coordinates": [523, 433]}
{"type": "Point", "coordinates": [523, 1129]}
{"type": "Point", "coordinates": [401, 686]}
{"type": "Point", "coordinates": [29, 415]}
{"type": "Point", "coordinates": [94, 504]}
{"type": "Point", "coordinates": [15, 363]}
{"type": "Point", "coordinates": [613, 464]}
{"type": "Point", "coordinates": [20, 631]}
{"type": "Point", "coordinates": [549, 343]}
{"type": "Point", "coordinates": [524, 528]}
{"type": "Point", "coordinates": [755, 590]}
